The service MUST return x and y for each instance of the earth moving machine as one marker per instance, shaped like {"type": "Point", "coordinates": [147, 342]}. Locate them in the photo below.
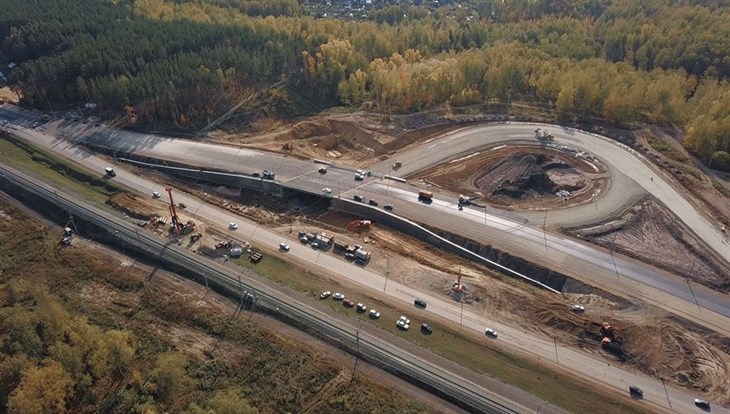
{"type": "Point", "coordinates": [543, 136]}
{"type": "Point", "coordinates": [425, 196]}
{"type": "Point", "coordinates": [357, 226]}
{"type": "Point", "coordinates": [613, 338]}
{"type": "Point", "coordinates": [466, 200]}
{"type": "Point", "coordinates": [397, 165]}
{"type": "Point", "coordinates": [325, 241]}
{"type": "Point", "coordinates": [457, 286]}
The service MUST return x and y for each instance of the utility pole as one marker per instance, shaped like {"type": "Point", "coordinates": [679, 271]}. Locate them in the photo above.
{"type": "Point", "coordinates": [357, 354]}
{"type": "Point", "coordinates": [544, 235]}
{"type": "Point", "coordinates": [387, 271]}
{"type": "Point", "coordinates": [613, 243]}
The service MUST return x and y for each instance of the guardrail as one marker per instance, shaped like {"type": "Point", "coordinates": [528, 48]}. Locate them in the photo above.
{"type": "Point", "coordinates": [452, 388]}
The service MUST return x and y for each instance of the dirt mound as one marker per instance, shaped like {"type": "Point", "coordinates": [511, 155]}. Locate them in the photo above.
{"type": "Point", "coordinates": [522, 175]}
{"type": "Point", "coordinates": [668, 351]}
{"type": "Point", "coordinates": [132, 206]}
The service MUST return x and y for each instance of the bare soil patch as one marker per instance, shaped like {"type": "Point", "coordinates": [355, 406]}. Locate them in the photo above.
{"type": "Point", "coordinates": [647, 232]}
{"type": "Point", "coordinates": [521, 177]}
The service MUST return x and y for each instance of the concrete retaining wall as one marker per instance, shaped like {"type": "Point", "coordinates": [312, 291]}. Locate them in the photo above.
{"type": "Point", "coordinates": [468, 249]}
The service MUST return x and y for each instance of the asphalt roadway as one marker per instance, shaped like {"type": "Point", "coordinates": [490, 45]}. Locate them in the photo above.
{"type": "Point", "coordinates": [517, 234]}
{"type": "Point", "coordinates": [659, 396]}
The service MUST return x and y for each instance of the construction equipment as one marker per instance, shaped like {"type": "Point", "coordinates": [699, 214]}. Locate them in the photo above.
{"type": "Point", "coordinates": [195, 237]}
{"type": "Point", "coordinates": [457, 286]}
{"type": "Point", "coordinates": [425, 196]}
{"type": "Point", "coordinates": [543, 136]}
{"type": "Point", "coordinates": [397, 165]}
{"type": "Point", "coordinates": [613, 337]}
{"type": "Point", "coordinates": [177, 225]}
{"type": "Point", "coordinates": [358, 225]}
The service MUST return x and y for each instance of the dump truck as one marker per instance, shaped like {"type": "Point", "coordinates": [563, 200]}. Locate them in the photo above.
{"type": "Point", "coordinates": [325, 241]}
{"type": "Point", "coordinates": [339, 246]}
{"type": "Point", "coordinates": [425, 196]}
{"type": "Point", "coordinates": [362, 254]}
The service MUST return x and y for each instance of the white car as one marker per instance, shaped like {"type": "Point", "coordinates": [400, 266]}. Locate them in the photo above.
{"type": "Point", "coordinates": [283, 246]}
{"type": "Point", "coordinates": [155, 194]}
{"type": "Point", "coordinates": [401, 324]}
{"type": "Point", "coordinates": [325, 294]}
{"type": "Point", "coordinates": [405, 320]}
{"type": "Point", "coordinates": [578, 308]}
{"type": "Point", "coordinates": [327, 190]}
{"type": "Point", "coordinates": [323, 170]}
{"type": "Point", "coordinates": [338, 296]}
{"type": "Point", "coordinates": [491, 332]}
{"type": "Point", "coordinates": [361, 307]}
{"type": "Point", "coordinates": [233, 226]}
{"type": "Point", "coordinates": [359, 177]}
{"type": "Point", "coordinates": [374, 314]}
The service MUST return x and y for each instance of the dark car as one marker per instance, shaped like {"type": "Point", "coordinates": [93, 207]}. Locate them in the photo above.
{"type": "Point", "coordinates": [636, 391]}
{"type": "Point", "coordinates": [426, 328]}
{"type": "Point", "coordinates": [420, 303]}
{"type": "Point", "coordinates": [255, 175]}
{"type": "Point", "coordinates": [357, 198]}
{"type": "Point", "coordinates": [388, 207]}
{"type": "Point", "coordinates": [373, 202]}
{"type": "Point", "coordinates": [705, 405]}
{"type": "Point", "coordinates": [110, 172]}
{"type": "Point", "coordinates": [348, 303]}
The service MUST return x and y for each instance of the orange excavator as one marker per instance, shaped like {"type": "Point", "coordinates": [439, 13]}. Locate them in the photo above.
{"type": "Point", "coordinates": [613, 336]}
{"type": "Point", "coordinates": [359, 225]}
{"type": "Point", "coordinates": [457, 286]}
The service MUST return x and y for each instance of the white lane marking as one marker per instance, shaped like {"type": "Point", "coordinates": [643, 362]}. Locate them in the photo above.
{"type": "Point", "coordinates": [465, 158]}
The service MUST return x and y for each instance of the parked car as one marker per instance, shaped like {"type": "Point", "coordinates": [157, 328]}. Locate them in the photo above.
{"type": "Point", "coordinates": [361, 307]}
{"type": "Point", "coordinates": [283, 246]}
{"type": "Point", "coordinates": [348, 303]}
{"type": "Point", "coordinates": [373, 202]}
{"type": "Point", "coordinates": [388, 207]}
{"type": "Point", "coordinates": [404, 319]}
{"type": "Point", "coordinates": [359, 177]}
{"type": "Point", "coordinates": [155, 194]}
{"type": "Point", "coordinates": [325, 294]}
{"type": "Point", "coordinates": [233, 226]}
{"type": "Point", "coordinates": [110, 172]}
{"type": "Point", "coordinates": [578, 308]}
{"type": "Point", "coordinates": [327, 190]}
{"type": "Point", "coordinates": [420, 303]}
{"type": "Point", "coordinates": [323, 170]}
{"type": "Point", "coordinates": [491, 332]}
{"type": "Point", "coordinates": [705, 405]}
{"type": "Point", "coordinates": [636, 391]}
{"type": "Point", "coordinates": [338, 296]}
{"type": "Point", "coordinates": [374, 314]}
{"type": "Point", "coordinates": [304, 240]}
{"type": "Point", "coordinates": [357, 197]}
{"type": "Point", "coordinates": [426, 328]}
{"type": "Point", "coordinates": [255, 175]}
{"type": "Point", "coordinates": [349, 256]}
{"type": "Point", "coordinates": [315, 245]}
{"type": "Point", "coordinates": [401, 324]}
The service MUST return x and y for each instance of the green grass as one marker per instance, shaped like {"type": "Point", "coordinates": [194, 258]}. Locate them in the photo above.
{"type": "Point", "coordinates": [58, 171]}
{"type": "Point", "coordinates": [447, 341]}
{"type": "Point", "coordinates": [666, 149]}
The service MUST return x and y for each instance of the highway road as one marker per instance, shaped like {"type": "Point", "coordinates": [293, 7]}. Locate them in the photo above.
{"type": "Point", "coordinates": [507, 231]}
{"type": "Point", "coordinates": [340, 329]}
{"type": "Point", "coordinates": [581, 364]}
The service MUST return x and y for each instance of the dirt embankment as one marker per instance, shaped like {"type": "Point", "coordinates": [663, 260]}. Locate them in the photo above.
{"type": "Point", "coordinates": [521, 177]}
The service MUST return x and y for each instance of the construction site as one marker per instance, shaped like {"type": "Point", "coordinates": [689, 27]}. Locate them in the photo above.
{"type": "Point", "coordinates": [525, 176]}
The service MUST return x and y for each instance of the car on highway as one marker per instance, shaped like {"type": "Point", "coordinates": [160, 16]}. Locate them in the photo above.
{"type": "Point", "coordinates": [361, 307]}
{"type": "Point", "coordinates": [357, 197]}
{"type": "Point", "coordinates": [388, 207]}
{"type": "Point", "coordinates": [705, 405]}
{"type": "Point", "coordinates": [338, 296]}
{"type": "Point", "coordinates": [401, 324]}
{"type": "Point", "coordinates": [374, 314]}
{"type": "Point", "coordinates": [359, 177]}
{"type": "Point", "coordinates": [155, 194]}
{"type": "Point", "coordinates": [110, 172]}
{"type": "Point", "coordinates": [578, 308]}
{"type": "Point", "coordinates": [232, 226]}
{"type": "Point", "coordinates": [325, 294]}
{"type": "Point", "coordinates": [373, 202]}
{"type": "Point", "coordinates": [348, 303]}
{"type": "Point", "coordinates": [283, 246]}
{"type": "Point", "coordinates": [636, 391]}
{"type": "Point", "coordinates": [491, 332]}
{"type": "Point", "coordinates": [327, 190]}
{"type": "Point", "coordinates": [426, 328]}
{"type": "Point", "coordinates": [323, 170]}
{"type": "Point", "coordinates": [420, 303]}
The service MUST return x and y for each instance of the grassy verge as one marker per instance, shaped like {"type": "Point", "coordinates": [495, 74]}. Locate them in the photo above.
{"type": "Point", "coordinates": [57, 170]}
{"type": "Point", "coordinates": [530, 376]}
{"type": "Point", "coordinates": [666, 149]}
